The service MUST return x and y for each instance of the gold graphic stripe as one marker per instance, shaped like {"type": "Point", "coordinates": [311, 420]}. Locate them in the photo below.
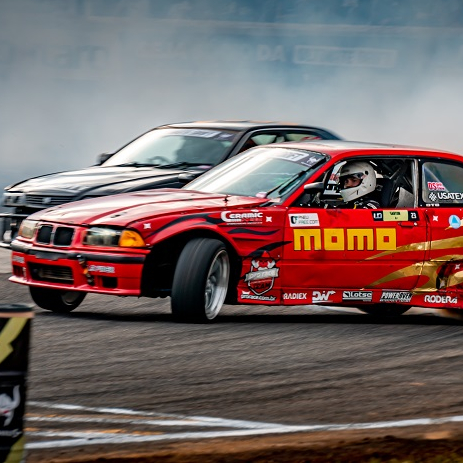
{"type": "Point", "coordinates": [9, 333]}
{"type": "Point", "coordinates": [17, 452]}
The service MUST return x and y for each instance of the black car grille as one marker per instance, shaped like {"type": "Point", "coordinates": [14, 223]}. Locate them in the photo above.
{"type": "Point", "coordinates": [61, 236]}
{"type": "Point", "coordinates": [43, 201]}
{"type": "Point", "coordinates": [51, 273]}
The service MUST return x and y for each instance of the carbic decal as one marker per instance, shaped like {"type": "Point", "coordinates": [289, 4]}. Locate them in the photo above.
{"type": "Point", "coordinates": [262, 274]}
{"type": "Point", "coordinates": [253, 217]}
{"type": "Point", "coordinates": [345, 239]}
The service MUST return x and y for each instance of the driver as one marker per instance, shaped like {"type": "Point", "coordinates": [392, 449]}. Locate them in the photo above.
{"type": "Point", "coordinates": [356, 183]}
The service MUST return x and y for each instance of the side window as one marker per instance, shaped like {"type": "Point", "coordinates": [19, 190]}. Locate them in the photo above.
{"type": "Point", "coordinates": [442, 184]}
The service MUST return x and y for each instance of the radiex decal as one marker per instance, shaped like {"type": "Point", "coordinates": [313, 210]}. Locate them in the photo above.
{"type": "Point", "coordinates": [345, 239]}
{"type": "Point", "coordinates": [295, 296]}
{"type": "Point", "coordinates": [364, 296]}
{"type": "Point", "coordinates": [395, 296]}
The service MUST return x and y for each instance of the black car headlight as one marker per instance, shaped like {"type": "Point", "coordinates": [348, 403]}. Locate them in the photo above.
{"type": "Point", "coordinates": [102, 236]}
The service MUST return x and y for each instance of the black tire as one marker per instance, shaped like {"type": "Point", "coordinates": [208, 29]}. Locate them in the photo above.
{"type": "Point", "coordinates": [56, 300]}
{"type": "Point", "coordinates": [200, 281]}
{"type": "Point", "coordinates": [384, 310]}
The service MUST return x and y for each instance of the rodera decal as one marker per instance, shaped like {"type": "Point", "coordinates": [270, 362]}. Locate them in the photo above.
{"type": "Point", "coordinates": [363, 296]}
{"type": "Point", "coordinates": [438, 299]}
{"type": "Point", "coordinates": [345, 239]}
{"type": "Point", "coordinates": [322, 296]}
{"type": "Point", "coordinates": [304, 220]}
{"type": "Point", "coordinates": [262, 275]}
{"type": "Point", "coordinates": [396, 296]}
{"type": "Point", "coordinates": [395, 216]}
{"type": "Point", "coordinates": [253, 217]}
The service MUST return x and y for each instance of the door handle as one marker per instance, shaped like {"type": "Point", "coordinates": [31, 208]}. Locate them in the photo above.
{"type": "Point", "coordinates": [408, 224]}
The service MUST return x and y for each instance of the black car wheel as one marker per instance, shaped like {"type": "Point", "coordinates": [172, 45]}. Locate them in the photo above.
{"type": "Point", "coordinates": [56, 300]}
{"type": "Point", "coordinates": [200, 281]}
{"type": "Point", "coordinates": [384, 310]}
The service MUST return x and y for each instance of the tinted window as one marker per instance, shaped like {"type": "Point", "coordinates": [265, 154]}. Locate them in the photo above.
{"type": "Point", "coordinates": [442, 183]}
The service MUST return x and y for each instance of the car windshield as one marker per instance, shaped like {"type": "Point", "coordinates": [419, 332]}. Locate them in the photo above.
{"type": "Point", "coordinates": [267, 172]}
{"type": "Point", "coordinates": [179, 148]}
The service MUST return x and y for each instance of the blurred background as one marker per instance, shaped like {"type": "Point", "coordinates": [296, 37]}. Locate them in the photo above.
{"type": "Point", "coordinates": [82, 77]}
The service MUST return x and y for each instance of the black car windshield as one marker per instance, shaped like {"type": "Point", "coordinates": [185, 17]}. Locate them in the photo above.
{"type": "Point", "coordinates": [266, 172]}
{"type": "Point", "coordinates": [179, 148]}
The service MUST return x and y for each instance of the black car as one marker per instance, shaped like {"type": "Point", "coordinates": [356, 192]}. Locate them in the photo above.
{"type": "Point", "coordinates": [164, 157]}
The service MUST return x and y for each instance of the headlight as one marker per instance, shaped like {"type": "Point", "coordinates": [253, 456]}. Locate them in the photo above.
{"type": "Point", "coordinates": [99, 236]}
{"type": "Point", "coordinates": [27, 228]}
{"type": "Point", "coordinates": [14, 199]}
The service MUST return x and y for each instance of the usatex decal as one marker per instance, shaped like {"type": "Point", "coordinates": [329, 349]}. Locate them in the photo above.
{"type": "Point", "coordinates": [395, 216]}
{"type": "Point", "coordinates": [445, 196]}
{"type": "Point", "coordinates": [438, 299]}
{"type": "Point", "coordinates": [252, 217]}
{"type": "Point", "coordinates": [345, 239]}
{"type": "Point", "coordinates": [304, 220]}
{"type": "Point", "coordinates": [363, 296]}
{"type": "Point", "coordinates": [262, 274]}
{"type": "Point", "coordinates": [396, 296]}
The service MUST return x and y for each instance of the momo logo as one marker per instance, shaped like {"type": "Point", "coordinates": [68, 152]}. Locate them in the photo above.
{"type": "Point", "coordinates": [364, 296]}
{"type": "Point", "coordinates": [322, 296]}
{"type": "Point", "coordinates": [345, 239]}
{"type": "Point", "coordinates": [262, 275]}
{"type": "Point", "coordinates": [242, 218]}
{"type": "Point", "coordinates": [438, 299]}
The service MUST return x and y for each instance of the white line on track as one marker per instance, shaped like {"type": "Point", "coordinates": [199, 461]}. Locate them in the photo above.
{"type": "Point", "coordinates": [251, 428]}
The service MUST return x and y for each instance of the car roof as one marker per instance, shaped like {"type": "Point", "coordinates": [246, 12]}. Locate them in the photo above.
{"type": "Point", "coordinates": [239, 125]}
{"type": "Point", "coordinates": [335, 148]}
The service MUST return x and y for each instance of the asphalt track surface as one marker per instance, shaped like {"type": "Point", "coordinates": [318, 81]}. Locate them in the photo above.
{"type": "Point", "coordinates": [119, 380]}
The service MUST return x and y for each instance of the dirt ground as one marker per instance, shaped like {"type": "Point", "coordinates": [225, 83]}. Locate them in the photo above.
{"type": "Point", "coordinates": [422, 445]}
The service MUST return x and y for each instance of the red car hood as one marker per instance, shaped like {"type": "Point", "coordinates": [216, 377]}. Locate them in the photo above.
{"type": "Point", "coordinates": [123, 209]}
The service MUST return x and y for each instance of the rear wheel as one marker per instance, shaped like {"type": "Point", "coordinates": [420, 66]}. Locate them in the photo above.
{"type": "Point", "coordinates": [384, 310]}
{"type": "Point", "coordinates": [200, 281]}
{"type": "Point", "coordinates": [56, 300]}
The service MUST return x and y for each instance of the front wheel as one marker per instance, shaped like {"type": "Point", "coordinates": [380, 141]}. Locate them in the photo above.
{"type": "Point", "coordinates": [384, 310]}
{"type": "Point", "coordinates": [56, 300]}
{"type": "Point", "coordinates": [200, 281]}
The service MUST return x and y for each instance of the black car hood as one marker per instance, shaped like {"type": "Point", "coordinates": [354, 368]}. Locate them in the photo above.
{"type": "Point", "coordinates": [98, 181]}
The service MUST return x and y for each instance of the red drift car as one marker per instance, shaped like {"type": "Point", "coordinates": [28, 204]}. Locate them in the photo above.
{"type": "Point", "coordinates": [266, 227]}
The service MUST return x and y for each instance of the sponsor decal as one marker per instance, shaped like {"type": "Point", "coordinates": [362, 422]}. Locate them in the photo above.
{"type": "Point", "coordinates": [454, 222]}
{"type": "Point", "coordinates": [9, 404]}
{"type": "Point", "coordinates": [255, 297]}
{"type": "Point", "coordinates": [392, 216]}
{"type": "Point", "coordinates": [101, 269]}
{"type": "Point", "coordinates": [304, 220]}
{"type": "Point", "coordinates": [295, 296]}
{"type": "Point", "coordinates": [445, 196]}
{"type": "Point", "coordinates": [438, 299]}
{"type": "Point", "coordinates": [262, 275]}
{"type": "Point", "coordinates": [436, 186]}
{"type": "Point", "coordinates": [18, 259]}
{"type": "Point", "coordinates": [396, 296]}
{"type": "Point", "coordinates": [345, 239]}
{"type": "Point", "coordinates": [364, 296]}
{"type": "Point", "coordinates": [322, 296]}
{"type": "Point", "coordinates": [253, 217]}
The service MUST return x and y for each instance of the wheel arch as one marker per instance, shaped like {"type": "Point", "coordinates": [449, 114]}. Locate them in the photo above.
{"type": "Point", "coordinates": [160, 263]}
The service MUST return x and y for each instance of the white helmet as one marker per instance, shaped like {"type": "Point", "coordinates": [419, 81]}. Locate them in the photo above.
{"type": "Point", "coordinates": [361, 170]}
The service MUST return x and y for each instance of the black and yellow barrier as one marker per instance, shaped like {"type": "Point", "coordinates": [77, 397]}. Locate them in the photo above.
{"type": "Point", "coordinates": [15, 327]}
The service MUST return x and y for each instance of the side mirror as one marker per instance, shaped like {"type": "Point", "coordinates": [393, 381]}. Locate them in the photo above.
{"type": "Point", "coordinates": [314, 187]}
{"type": "Point", "coordinates": [186, 177]}
{"type": "Point", "coordinates": [102, 158]}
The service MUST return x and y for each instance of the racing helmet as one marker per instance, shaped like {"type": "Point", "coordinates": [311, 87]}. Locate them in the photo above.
{"type": "Point", "coordinates": [364, 172]}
